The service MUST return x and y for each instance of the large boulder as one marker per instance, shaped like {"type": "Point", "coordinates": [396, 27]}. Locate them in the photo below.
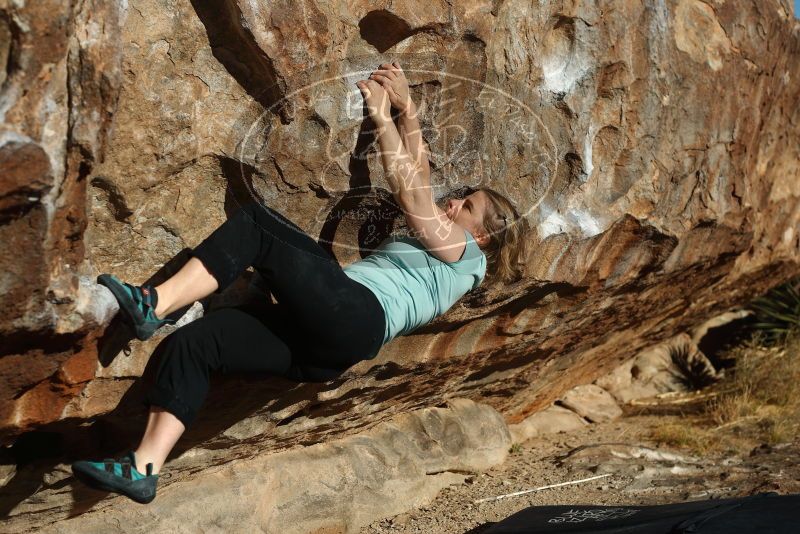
{"type": "Point", "coordinates": [653, 147]}
{"type": "Point", "coordinates": [338, 486]}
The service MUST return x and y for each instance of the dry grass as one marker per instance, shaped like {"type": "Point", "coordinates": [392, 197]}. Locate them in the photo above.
{"type": "Point", "coordinates": [686, 435]}
{"type": "Point", "coordinates": [757, 402]}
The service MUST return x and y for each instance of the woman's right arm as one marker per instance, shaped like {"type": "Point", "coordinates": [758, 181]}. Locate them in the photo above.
{"type": "Point", "coordinates": [411, 131]}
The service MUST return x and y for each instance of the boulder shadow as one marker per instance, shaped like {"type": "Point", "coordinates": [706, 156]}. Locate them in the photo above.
{"type": "Point", "coordinates": [374, 209]}
{"type": "Point", "coordinates": [480, 528]}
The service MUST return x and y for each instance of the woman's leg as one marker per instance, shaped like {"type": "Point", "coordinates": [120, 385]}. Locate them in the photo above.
{"type": "Point", "coordinates": [160, 436]}
{"type": "Point", "coordinates": [230, 249]}
{"type": "Point", "coordinates": [145, 308]}
{"type": "Point", "coordinates": [229, 340]}
{"type": "Point", "coordinates": [343, 319]}
{"type": "Point", "coordinates": [258, 236]}
{"type": "Point", "coordinates": [190, 284]}
{"type": "Point", "coordinates": [195, 281]}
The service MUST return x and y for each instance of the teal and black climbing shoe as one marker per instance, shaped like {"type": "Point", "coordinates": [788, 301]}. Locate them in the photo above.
{"type": "Point", "coordinates": [119, 476]}
{"type": "Point", "coordinates": [137, 304]}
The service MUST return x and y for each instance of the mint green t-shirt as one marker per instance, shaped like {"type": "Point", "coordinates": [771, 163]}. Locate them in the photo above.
{"type": "Point", "coordinates": [412, 285]}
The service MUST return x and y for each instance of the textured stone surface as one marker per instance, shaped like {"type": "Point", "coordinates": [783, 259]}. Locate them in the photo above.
{"type": "Point", "coordinates": [328, 487]}
{"type": "Point", "coordinates": [549, 421]}
{"type": "Point", "coordinates": [592, 402]}
{"type": "Point", "coordinates": [59, 93]}
{"type": "Point", "coordinates": [658, 166]}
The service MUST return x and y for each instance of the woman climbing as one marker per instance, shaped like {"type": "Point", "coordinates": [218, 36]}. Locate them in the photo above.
{"type": "Point", "coordinates": [328, 318]}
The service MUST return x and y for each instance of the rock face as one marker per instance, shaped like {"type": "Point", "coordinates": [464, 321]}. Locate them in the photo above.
{"type": "Point", "coordinates": [592, 402]}
{"type": "Point", "coordinates": [551, 420]}
{"type": "Point", "coordinates": [654, 148]}
{"type": "Point", "coordinates": [60, 87]}
{"type": "Point", "coordinates": [401, 463]}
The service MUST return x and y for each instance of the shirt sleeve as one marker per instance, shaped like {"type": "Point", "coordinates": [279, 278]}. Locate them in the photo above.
{"type": "Point", "coordinates": [472, 262]}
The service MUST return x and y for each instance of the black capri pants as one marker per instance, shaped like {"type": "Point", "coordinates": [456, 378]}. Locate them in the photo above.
{"type": "Point", "coordinates": [324, 322]}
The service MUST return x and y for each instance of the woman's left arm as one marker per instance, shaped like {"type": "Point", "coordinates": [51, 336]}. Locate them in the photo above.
{"type": "Point", "coordinates": [410, 185]}
{"type": "Point", "coordinates": [393, 80]}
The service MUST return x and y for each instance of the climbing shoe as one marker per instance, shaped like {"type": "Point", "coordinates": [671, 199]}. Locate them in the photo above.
{"type": "Point", "coordinates": [119, 476]}
{"type": "Point", "coordinates": [137, 304]}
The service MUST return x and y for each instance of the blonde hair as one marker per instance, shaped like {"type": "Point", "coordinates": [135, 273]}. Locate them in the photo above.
{"type": "Point", "coordinates": [506, 253]}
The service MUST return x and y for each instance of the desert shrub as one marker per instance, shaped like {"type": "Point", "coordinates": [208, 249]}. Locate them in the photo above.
{"type": "Point", "coordinates": [694, 371]}
{"type": "Point", "coordinates": [763, 389]}
{"type": "Point", "coordinates": [757, 400]}
{"type": "Point", "coordinates": [778, 312]}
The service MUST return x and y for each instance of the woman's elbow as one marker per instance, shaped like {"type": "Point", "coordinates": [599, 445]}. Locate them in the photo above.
{"type": "Point", "coordinates": [412, 200]}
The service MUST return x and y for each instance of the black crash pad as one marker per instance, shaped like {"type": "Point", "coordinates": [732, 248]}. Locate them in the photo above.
{"type": "Point", "coordinates": [762, 514]}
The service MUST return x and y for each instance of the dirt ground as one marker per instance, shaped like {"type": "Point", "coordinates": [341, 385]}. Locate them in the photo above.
{"type": "Point", "coordinates": [641, 472]}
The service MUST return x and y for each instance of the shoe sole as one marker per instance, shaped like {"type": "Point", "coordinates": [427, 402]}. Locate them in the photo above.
{"type": "Point", "coordinates": [92, 481]}
{"type": "Point", "coordinates": [142, 331]}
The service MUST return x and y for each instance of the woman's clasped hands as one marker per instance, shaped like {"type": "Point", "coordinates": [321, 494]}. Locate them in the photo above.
{"type": "Point", "coordinates": [386, 87]}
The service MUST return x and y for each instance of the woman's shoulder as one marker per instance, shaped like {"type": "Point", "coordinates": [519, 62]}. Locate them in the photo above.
{"type": "Point", "coordinates": [472, 251]}
{"type": "Point", "coordinates": [472, 262]}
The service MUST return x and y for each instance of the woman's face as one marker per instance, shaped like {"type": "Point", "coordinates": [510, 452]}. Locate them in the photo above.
{"type": "Point", "coordinates": [469, 212]}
